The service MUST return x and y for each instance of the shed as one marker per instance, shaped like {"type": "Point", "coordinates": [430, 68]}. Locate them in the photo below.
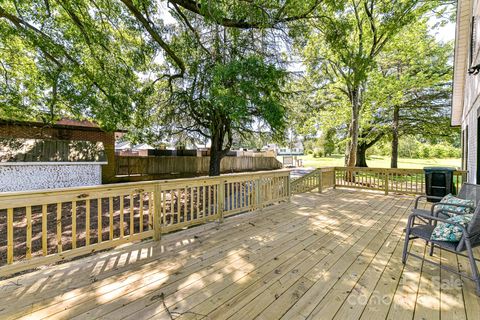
{"type": "Point", "coordinates": [68, 153]}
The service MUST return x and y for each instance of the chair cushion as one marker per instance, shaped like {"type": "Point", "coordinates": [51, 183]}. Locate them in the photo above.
{"type": "Point", "coordinates": [449, 198]}
{"type": "Point", "coordinates": [425, 231]}
{"type": "Point", "coordinates": [450, 232]}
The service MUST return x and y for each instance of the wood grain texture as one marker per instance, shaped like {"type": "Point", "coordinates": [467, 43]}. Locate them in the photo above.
{"type": "Point", "coordinates": [334, 255]}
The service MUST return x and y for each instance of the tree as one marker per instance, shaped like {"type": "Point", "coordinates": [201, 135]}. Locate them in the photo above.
{"type": "Point", "coordinates": [329, 142]}
{"type": "Point", "coordinates": [114, 61]}
{"type": "Point", "coordinates": [342, 50]}
{"type": "Point", "coordinates": [229, 91]}
{"type": "Point", "coordinates": [229, 100]}
{"type": "Point", "coordinates": [408, 92]}
{"type": "Point", "coordinates": [100, 59]}
{"type": "Point", "coordinates": [77, 58]}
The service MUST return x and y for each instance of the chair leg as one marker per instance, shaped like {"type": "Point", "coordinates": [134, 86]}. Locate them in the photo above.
{"type": "Point", "coordinates": [473, 265]}
{"type": "Point", "coordinates": [432, 247]}
{"type": "Point", "coordinates": [405, 246]}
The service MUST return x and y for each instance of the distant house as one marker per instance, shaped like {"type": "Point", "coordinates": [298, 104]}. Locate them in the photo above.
{"type": "Point", "coordinates": [68, 153]}
{"type": "Point", "coordinates": [466, 85]}
{"type": "Point", "coordinates": [295, 150]}
{"type": "Point", "coordinates": [127, 149]}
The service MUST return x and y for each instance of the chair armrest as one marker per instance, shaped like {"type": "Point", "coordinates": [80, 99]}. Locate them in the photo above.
{"type": "Point", "coordinates": [424, 196]}
{"type": "Point", "coordinates": [437, 219]}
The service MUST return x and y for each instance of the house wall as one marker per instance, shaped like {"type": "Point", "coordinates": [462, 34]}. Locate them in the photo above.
{"type": "Point", "coordinates": [471, 101]}
{"type": "Point", "coordinates": [30, 131]}
{"type": "Point", "coordinates": [28, 176]}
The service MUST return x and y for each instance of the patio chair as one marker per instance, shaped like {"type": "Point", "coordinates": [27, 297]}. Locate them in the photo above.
{"type": "Point", "coordinates": [429, 219]}
{"type": "Point", "coordinates": [468, 191]}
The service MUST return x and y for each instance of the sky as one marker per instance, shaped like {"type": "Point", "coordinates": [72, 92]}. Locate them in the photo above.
{"type": "Point", "coordinates": [445, 33]}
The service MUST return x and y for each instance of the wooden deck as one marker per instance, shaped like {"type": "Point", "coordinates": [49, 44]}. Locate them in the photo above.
{"type": "Point", "coordinates": [334, 255]}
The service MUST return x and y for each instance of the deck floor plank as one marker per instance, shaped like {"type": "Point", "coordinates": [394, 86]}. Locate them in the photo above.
{"type": "Point", "coordinates": [335, 255]}
{"type": "Point", "coordinates": [245, 292]}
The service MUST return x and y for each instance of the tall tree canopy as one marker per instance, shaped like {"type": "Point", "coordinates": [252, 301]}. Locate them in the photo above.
{"type": "Point", "coordinates": [408, 92]}
{"type": "Point", "coordinates": [198, 68]}
{"type": "Point", "coordinates": [342, 50]}
{"type": "Point", "coordinates": [90, 57]}
{"type": "Point", "coordinates": [232, 87]}
{"type": "Point", "coordinates": [116, 61]}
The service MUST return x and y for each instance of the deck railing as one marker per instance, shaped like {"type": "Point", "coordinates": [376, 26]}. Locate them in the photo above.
{"type": "Point", "coordinates": [319, 179]}
{"type": "Point", "coordinates": [48, 226]}
{"type": "Point", "coordinates": [403, 181]}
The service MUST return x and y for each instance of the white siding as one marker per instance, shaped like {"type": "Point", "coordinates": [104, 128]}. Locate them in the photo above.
{"type": "Point", "coordinates": [471, 106]}
{"type": "Point", "coordinates": [33, 177]}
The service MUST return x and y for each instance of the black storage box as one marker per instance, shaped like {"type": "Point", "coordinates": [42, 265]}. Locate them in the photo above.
{"type": "Point", "coordinates": [439, 182]}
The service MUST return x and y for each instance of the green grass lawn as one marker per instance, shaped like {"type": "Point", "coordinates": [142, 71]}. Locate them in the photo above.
{"type": "Point", "coordinates": [380, 162]}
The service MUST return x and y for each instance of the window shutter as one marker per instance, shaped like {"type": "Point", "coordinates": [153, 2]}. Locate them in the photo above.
{"type": "Point", "coordinates": [475, 42]}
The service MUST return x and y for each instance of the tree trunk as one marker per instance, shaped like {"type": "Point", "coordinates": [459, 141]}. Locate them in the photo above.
{"type": "Point", "coordinates": [395, 125]}
{"type": "Point", "coordinates": [353, 130]}
{"type": "Point", "coordinates": [216, 154]}
{"type": "Point", "coordinates": [361, 160]}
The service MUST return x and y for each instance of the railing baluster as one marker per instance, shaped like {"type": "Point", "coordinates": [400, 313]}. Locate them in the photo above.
{"type": "Point", "coordinates": [163, 194]}
{"type": "Point", "coordinates": [140, 199]}
{"type": "Point", "coordinates": [99, 220]}
{"type": "Point", "coordinates": [59, 228]}
{"type": "Point", "coordinates": [190, 194]}
{"type": "Point", "coordinates": [132, 215]}
{"type": "Point", "coordinates": [197, 189]}
{"type": "Point", "coordinates": [157, 213]}
{"type": "Point", "coordinates": [28, 253]}
{"type": "Point", "coordinates": [74, 224]}
{"type": "Point", "coordinates": [150, 210]}
{"type": "Point", "coordinates": [215, 200]}
{"type": "Point", "coordinates": [44, 230]}
{"type": "Point", "coordinates": [10, 244]}
{"type": "Point", "coordinates": [87, 222]}
{"type": "Point", "coordinates": [204, 212]}
{"type": "Point", "coordinates": [110, 218]}
{"type": "Point", "coordinates": [179, 207]}
{"type": "Point", "coordinates": [122, 209]}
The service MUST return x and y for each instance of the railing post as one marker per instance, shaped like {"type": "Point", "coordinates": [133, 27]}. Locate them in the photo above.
{"type": "Point", "coordinates": [221, 199]}
{"type": "Point", "coordinates": [320, 182]}
{"type": "Point", "coordinates": [157, 213]}
{"type": "Point", "coordinates": [386, 182]}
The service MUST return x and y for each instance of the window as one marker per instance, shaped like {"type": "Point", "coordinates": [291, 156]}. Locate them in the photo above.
{"type": "Point", "coordinates": [475, 42]}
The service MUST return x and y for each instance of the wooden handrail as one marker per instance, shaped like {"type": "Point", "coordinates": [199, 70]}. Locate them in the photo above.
{"type": "Point", "coordinates": [70, 222]}
{"type": "Point", "coordinates": [101, 217]}
{"type": "Point", "coordinates": [407, 181]}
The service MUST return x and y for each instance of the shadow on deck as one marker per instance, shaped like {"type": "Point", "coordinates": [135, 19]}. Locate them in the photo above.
{"type": "Point", "coordinates": [322, 256]}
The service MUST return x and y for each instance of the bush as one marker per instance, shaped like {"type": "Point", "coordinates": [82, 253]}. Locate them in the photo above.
{"type": "Point", "coordinates": [318, 154]}
{"type": "Point", "coordinates": [424, 152]}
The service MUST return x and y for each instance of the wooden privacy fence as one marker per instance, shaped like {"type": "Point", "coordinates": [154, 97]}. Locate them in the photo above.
{"type": "Point", "coordinates": [131, 166]}
{"type": "Point", "coordinates": [47, 226]}
{"type": "Point", "coordinates": [404, 181]}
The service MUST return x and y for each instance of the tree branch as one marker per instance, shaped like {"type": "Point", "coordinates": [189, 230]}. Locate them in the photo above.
{"type": "Point", "coordinates": [196, 8]}
{"type": "Point", "coordinates": [149, 26]}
